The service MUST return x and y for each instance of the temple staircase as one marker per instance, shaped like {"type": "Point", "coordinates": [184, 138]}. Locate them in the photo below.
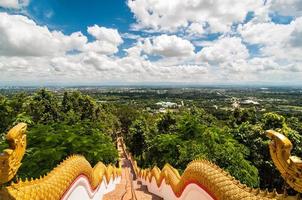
{"type": "Point", "coordinates": [128, 189]}
{"type": "Point", "coordinates": [76, 179]}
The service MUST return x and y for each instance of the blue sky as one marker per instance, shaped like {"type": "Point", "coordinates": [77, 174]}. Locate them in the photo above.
{"type": "Point", "coordinates": [71, 17]}
{"type": "Point", "coordinates": [96, 42]}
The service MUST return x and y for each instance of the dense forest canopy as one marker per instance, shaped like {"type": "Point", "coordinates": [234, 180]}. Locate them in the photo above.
{"type": "Point", "coordinates": [73, 122]}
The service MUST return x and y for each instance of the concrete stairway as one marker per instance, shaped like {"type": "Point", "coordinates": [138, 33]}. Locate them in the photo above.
{"type": "Point", "coordinates": [128, 189]}
{"type": "Point", "coordinates": [141, 192]}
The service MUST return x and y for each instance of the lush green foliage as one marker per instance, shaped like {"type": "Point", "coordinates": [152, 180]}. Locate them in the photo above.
{"type": "Point", "coordinates": [238, 144]}
{"type": "Point", "coordinates": [57, 129]}
{"type": "Point", "coordinates": [206, 127]}
{"type": "Point", "coordinates": [192, 138]}
{"type": "Point", "coordinates": [50, 144]}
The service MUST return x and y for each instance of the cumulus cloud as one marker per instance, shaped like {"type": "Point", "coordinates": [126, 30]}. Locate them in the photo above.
{"type": "Point", "coordinates": [130, 36]}
{"type": "Point", "coordinates": [220, 15]}
{"type": "Point", "coordinates": [295, 38]}
{"type": "Point", "coordinates": [171, 15]}
{"type": "Point", "coordinates": [168, 46]}
{"type": "Point", "coordinates": [229, 58]}
{"type": "Point", "coordinates": [196, 29]}
{"type": "Point", "coordinates": [135, 51]}
{"type": "Point", "coordinates": [21, 36]}
{"type": "Point", "coordinates": [105, 34]}
{"type": "Point", "coordinates": [286, 7]}
{"type": "Point", "coordinates": [225, 49]}
{"type": "Point", "coordinates": [254, 32]}
{"type": "Point", "coordinates": [31, 52]}
{"type": "Point", "coordinates": [99, 62]}
{"type": "Point", "coordinates": [282, 41]}
{"type": "Point", "coordinates": [101, 47]}
{"type": "Point", "coordinates": [107, 40]}
{"type": "Point", "coordinates": [13, 4]}
{"type": "Point", "coordinates": [89, 67]}
{"type": "Point", "coordinates": [263, 64]}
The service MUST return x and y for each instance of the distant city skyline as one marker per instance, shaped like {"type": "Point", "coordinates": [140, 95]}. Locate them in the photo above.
{"type": "Point", "coordinates": [150, 42]}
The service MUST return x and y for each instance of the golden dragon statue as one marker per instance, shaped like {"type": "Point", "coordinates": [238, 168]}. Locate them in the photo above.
{"type": "Point", "coordinates": [289, 166]}
{"type": "Point", "coordinates": [53, 185]}
{"type": "Point", "coordinates": [217, 182]}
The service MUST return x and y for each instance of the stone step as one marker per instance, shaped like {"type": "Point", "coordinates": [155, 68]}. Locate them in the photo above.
{"type": "Point", "coordinates": [141, 192]}
{"type": "Point", "coordinates": [129, 189]}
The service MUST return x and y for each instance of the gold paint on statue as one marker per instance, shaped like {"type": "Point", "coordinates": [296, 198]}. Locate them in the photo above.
{"type": "Point", "coordinates": [202, 172]}
{"type": "Point", "coordinates": [289, 166]}
{"type": "Point", "coordinates": [10, 159]}
{"type": "Point", "coordinates": [221, 184]}
{"type": "Point", "coordinates": [55, 183]}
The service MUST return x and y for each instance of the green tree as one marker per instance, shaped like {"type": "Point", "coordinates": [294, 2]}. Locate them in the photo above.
{"type": "Point", "coordinates": [295, 124]}
{"type": "Point", "coordinates": [137, 137]}
{"type": "Point", "coordinates": [49, 144]}
{"type": "Point", "coordinates": [166, 123]}
{"type": "Point", "coordinates": [126, 115]}
{"type": "Point", "coordinates": [6, 114]}
{"type": "Point", "coordinates": [89, 108]}
{"type": "Point", "coordinates": [66, 103]}
{"type": "Point", "coordinates": [163, 149]}
{"type": "Point", "coordinates": [189, 127]}
{"type": "Point", "coordinates": [244, 115]}
{"type": "Point", "coordinates": [44, 107]}
{"type": "Point", "coordinates": [273, 121]}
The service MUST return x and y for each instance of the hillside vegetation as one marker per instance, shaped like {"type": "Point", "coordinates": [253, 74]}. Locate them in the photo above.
{"type": "Point", "coordinates": [76, 123]}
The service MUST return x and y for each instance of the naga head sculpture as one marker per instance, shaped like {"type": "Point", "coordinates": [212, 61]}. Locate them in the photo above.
{"type": "Point", "coordinates": [10, 159]}
{"type": "Point", "coordinates": [289, 166]}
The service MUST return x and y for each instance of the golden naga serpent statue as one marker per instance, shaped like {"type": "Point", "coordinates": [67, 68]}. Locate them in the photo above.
{"type": "Point", "coordinates": [52, 186]}
{"type": "Point", "coordinates": [289, 166]}
{"type": "Point", "coordinates": [218, 183]}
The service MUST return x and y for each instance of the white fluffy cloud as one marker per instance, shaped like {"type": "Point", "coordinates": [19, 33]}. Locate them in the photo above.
{"type": "Point", "coordinates": [295, 38]}
{"type": "Point", "coordinates": [254, 32]}
{"type": "Point", "coordinates": [225, 49]}
{"type": "Point", "coordinates": [14, 4]}
{"type": "Point", "coordinates": [107, 40]}
{"type": "Point", "coordinates": [101, 47]}
{"type": "Point", "coordinates": [282, 41]}
{"type": "Point", "coordinates": [33, 53]}
{"type": "Point", "coordinates": [173, 14]}
{"type": "Point", "coordinates": [229, 58]}
{"type": "Point", "coordinates": [168, 46]}
{"type": "Point", "coordinates": [196, 29]}
{"type": "Point", "coordinates": [105, 34]}
{"type": "Point", "coordinates": [219, 15]}
{"type": "Point", "coordinates": [286, 7]}
{"type": "Point", "coordinates": [21, 36]}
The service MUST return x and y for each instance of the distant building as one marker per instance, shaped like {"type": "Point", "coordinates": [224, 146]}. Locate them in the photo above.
{"type": "Point", "coordinates": [162, 110]}
{"type": "Point", "coordinates": [236, 104]}
{"type": "Point", "coordinates": [167, 104]}
{"type": "Point", "coordinates": [248, 101]}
